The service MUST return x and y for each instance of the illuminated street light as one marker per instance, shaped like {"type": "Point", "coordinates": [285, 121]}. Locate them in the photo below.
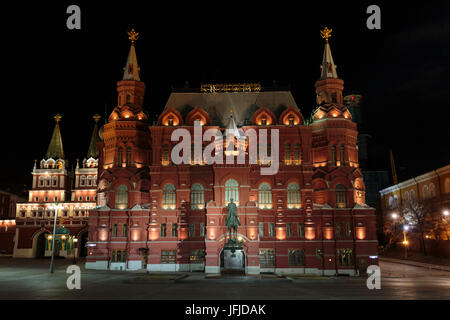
{"type": "Point", "coordinates": [406, 228]}
{"type": "Point", "coordinates": [446, 213]}
{"type": "Point", "coordinates": [394, 216]}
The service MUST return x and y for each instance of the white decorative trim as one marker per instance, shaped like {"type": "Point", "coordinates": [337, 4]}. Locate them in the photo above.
{"type": "Point", "coordinates": [212, 269]}
{"type": "Point", "coordinates": [97, 265]}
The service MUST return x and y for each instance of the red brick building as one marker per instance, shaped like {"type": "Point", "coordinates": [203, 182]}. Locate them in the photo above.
{"type": "Point", "coordinates": [309, 217]}
{"type": "Point", "coordinates": [73, 193]}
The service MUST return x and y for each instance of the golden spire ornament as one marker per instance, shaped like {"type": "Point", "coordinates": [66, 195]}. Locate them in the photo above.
{"type": "Point", "coordinates": [133, 36]}
{"type": "Point", "coordinates": [97, 117]}
{"type": "Point", "coordinates": [326, 33]}
{"type": "Point", "coordinates": [58, 118]}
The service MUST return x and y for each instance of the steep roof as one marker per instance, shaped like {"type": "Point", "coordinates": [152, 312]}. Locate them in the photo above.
{"type": "Point", "coordinates": [93, 149]}
{"type": "Point", "coordinates": [55, 148]}
{"type": "Point", "coordinates": [218, 104]}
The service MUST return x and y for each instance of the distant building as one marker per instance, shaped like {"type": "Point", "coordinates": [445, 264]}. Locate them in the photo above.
{"type": "Point", "coordinates": [7, 221]}
{"type": "Point", "coordinates": [432, 187]}
{"type": "Point", "coordinates": [8, 205]}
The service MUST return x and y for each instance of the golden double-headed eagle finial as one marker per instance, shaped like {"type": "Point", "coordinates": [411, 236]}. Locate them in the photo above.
{"type": "Point", "coordinates": [133, 36]}
{"type": "Point", "coordinates": [326, 33]}
{"type": "Point", "coordinates": [57, 118]}
{"type": "Point", "coordinates": [96, 117]}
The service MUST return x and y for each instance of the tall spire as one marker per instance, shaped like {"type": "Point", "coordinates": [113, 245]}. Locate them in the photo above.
{"type": "Point", "coordinates": [93, 150]}
{"type": "Point", "coordinates": [55, 148]}
{"type": "Point", "coordinates": [328, 68]}
{"type": "Point", "coordinates": [131, 70]}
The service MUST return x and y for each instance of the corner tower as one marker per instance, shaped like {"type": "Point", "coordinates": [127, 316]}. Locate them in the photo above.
{"type": "Point", "coordinates": [329, 87]}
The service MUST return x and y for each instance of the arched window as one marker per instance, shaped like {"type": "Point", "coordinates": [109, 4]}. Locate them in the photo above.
{"type": "Point", "coordinates": [197, 196]}
{"type": "Point", "coordinates": [231, 191]}
{"type": "Point", "coordinates": [120, 156]}
{"type": "Point", "coordinates": [341, 196]}
{"type": "Point", "coordinates": [165, 155]}
{"type": "Point", "coordinates": [41, 181]}
{"type": "Point", "coordinates": [333, 155]}
{"type": "Point", "coordinates": [122, 197]}
{"type": "Point", "coordinates": [407, 199]}
{"type": "Point", "coordinates": [297, 153]}
{"type": "Point", "coordinates": [169, 196]}
{"type": "Point", "coordinates": [94, 181]}
{"type": "Point", "coordinates": [128, 99]}
{"type": "Point", "coordinates": [82, 180]}
{"type": "Point", "coordinates": [293, 196]}
{"type": "Point", "coordinates": [265, 196]}
{"type": "Point", "coordinates": [128, 156]}
{"type": "Point", "coordinates": [89, 180]}
{"type": "Point", "coordinates": [341, 155]}
{"type": "Point", "coordinates": [287, 153]}
{"type": "Point", "coordinates": [425, 192]}
{"type": "Point", "coordinates": [432, 190]}
{"type": "Point", "coordinates": [413, 196]}
{"type": "Point", "coordinates": [47, 181]}
{"type": "Point", "coordinates": [395, 203]}
{"type": "Point", "coordinates": [55, 181]}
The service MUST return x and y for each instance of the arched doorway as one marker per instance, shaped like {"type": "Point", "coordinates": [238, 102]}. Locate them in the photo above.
{"type": "Point", "coordinates": [40, 245]}
{"type": "Point", "coordinates": [232, 259]}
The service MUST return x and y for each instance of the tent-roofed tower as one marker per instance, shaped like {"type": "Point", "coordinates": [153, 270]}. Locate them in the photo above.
{"type": "Point", "coordinates": [329, 87]}
{"type": "Point", "coordinates": [92, 153]}
{"type": "Point", "coordinates": [55, 148]}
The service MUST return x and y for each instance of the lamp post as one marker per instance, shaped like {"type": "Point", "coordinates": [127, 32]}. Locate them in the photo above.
{"type": "Point", "coordinates": [56, 206]}
{"type": "Point", "coordinates": [394, 218]}
{"type": "Point", "coordinates": [405, 241]}
{"type": "Point", "coordinates": [75, 240]}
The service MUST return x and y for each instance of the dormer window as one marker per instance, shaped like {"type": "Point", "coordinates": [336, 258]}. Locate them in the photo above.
{"type": "Point", "coordinates": [264, 121]}
{"type": "Point", "coordinates": [170, 122]}
{"type": "Point", "coordinates": [291, 121]}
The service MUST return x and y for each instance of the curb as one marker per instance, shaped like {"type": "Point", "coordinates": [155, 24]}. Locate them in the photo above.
{"type": "Point", "coordinates": [416, 264]}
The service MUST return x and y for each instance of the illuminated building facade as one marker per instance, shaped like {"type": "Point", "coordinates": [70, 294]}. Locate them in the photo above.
{"type": "Point", "coordinates": [54, 187]}
{"type": "Point", "coordinates": [309, 217]}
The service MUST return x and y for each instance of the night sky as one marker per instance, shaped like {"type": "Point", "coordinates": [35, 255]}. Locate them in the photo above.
{"type": "Point", "coordinates": [401, 70]}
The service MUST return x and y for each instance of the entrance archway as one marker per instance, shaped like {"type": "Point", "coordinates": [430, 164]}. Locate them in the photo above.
{"type": "Point", "coordinates": [40, 245]}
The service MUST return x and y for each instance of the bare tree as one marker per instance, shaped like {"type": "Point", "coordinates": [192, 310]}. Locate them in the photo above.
{"type": "Point", "coordinates": [417, 215]}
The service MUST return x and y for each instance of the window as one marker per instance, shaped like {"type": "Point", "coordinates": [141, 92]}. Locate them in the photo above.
{"type": "Point", "coordinates": [168, 256]}
{"type": "Point", "coordinates": [297, 153]}
{"type": "Point", "coordinates": [163, 230]}
{"type": "Point", "coordinates": [36, 199]}
{"type": "Point", "coordinates": [119, 256]}
{"type": "Point", "coordinates": [291, 121]}
{"type": "Point", "coordinates": [191, 230]}
{"type": "Point", "coordinates": [264, 121]}
{"type": "Point", "coordinates": [122, 197]}
{"type": "Point", "coordinates": [348, 229]}
{"type": "Point", "coordinates": [432, 190]}
{"type": "Point", "coordinates": [345, 257]}
{"type": "Point", "coordinates": [89, 180]}
{"type": "Point", "coordinates": [261, 229]}
{"type": "Point", "coordinates": [265, 196]}
{"type": "Point", "coordinates": [169, 196]}
{"type": "Point", "coordinates": [55, 199]}
{"type": "Point", "coordinates": [197, 196]}
{"type": "Point", "coordinates": [55, 181]}
{"type": "Point", "coordinates": [287, 153]}
{"type": "Point", "coordinates": [333, 155]}
{"type": "Point", "coordinates": [338, 230]}
{"type": "Point", "coordinates": [125, 230]}
{"type": "Point", "coordinates": [426, 192]}
{"type": "Point", "coordinates": [46, 199]}
{"type": "Point", "coordinates": [80, 198]}
{"type": "Point", "coordinates": [165, 155]}
{"type": "Point", "coordinates": [128, 156]}
{"type": "Point", "coordinates": [202, 229]}
{"type": "Point", "coordinates": [128, 99]}
{"type": "Point", "coordinates": [174, 230]}
{"type": "Point", "coordinates": [82, 181]}
{"type": "Point", "coordinates": [267, 258]}
{"type": "Point", "coordinates": [114, 233]}
{"type": "Point", "coordinates": [296, 257]}
{"type": "Point", "coordinates": [197, 256]}
{"type": "Point", "coordinates": [300, 230]}
{"type": "Point", "coordinates": [293, 196]}
{"type": "Point", "coordinates": [120, 156]}
{"type": "Point", "coordinates": [47, 181]}
{"type": "Point", "coordinates": [341, 155]}
{"type": "Point", "coordinates": [41, 181]}
{"type": "Point", "coordinates": [341, 196]}
{"type": "Point", "coordinates": [231, 191]}
{"type": "Point", "coordinates": [271, 229]}
{"type": "Point", "coordinates": [288, 229]}
{"type": "Point", "coordinates": [88, 198]}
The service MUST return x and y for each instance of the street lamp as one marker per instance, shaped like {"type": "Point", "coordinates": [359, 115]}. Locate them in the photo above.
{"type": "Point", "coordinates": [55, 207]}
{"type": "Point", "coordinates": [446, 213]}
{"type": "Point", "coordinates": [75, 240]}
{"type": "Point", "coordinates": [405, 241]}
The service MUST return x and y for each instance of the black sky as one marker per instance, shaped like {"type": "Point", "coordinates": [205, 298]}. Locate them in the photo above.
{"type": "Point", "coordinates": [402, 70]}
